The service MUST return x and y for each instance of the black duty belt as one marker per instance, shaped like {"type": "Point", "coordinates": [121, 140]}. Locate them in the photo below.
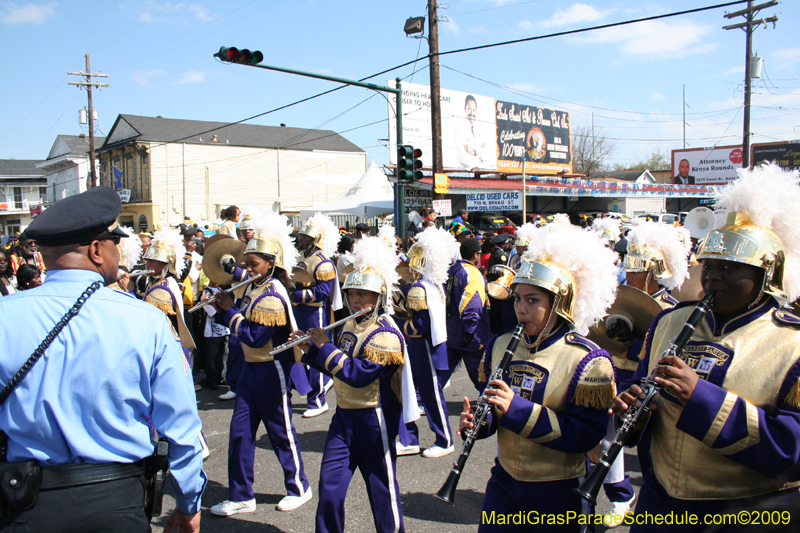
{"type": "Point", "coordinates": [75, 475]}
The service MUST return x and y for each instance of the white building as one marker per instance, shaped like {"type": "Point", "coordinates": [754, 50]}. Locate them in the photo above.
{"type": "Point", "coordinates": [174, 168]}
{"type": "Point", "coordinates": [67, 166]}
{"type": "Point", "coordinates": [23, 190]}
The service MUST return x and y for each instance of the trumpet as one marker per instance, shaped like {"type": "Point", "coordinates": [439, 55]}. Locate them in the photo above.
{"type": "Point", "coordinates": [299, 340]}
{"type": "Point", "coordinates": [448, 491]}
{"type": "Point", "coordinates": [214, 298]}
{"type": "Point", "coordinates": [589, 489]}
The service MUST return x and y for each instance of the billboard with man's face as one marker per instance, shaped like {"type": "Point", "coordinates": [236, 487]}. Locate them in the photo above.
{"type": "Point", "coordinates": [481, 133]}
{"type": "Point", "coordinates": [706, 166]}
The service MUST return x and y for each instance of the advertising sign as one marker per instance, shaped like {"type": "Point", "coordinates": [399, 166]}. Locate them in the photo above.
{"type": "Point", "coordinates": [416, 198]}
{"type": "Point", "coordinates": [124, 195]}
{"type": "Point", "coordinates": [494, 201]}
{"type": "Point", "coordinates": [706, 166]}
{"type": "Point", "coordinates": [441, 183]}
{"type": "Point", "coordinates": [443, 208]}
{"type": "Point", "coordinates": [481, 133]}
{"type": "Point", "coordinates": [783, 154]}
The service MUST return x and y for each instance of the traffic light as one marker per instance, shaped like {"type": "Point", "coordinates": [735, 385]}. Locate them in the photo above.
{"type": "Point", "coordinates": [417, 166]}
{"type": "Point", "coordinates": [244, 56]}
{"type": "Point", "coordinates": [405, 163]}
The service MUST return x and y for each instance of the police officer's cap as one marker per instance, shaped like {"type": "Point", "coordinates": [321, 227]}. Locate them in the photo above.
{"type": "Point", "coordinates": [502, 238]}
{"type": "Point", "coordinates": [78, 219]}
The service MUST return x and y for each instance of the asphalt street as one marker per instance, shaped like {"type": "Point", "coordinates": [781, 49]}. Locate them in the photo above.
{"type": "Point", "coordinates": [419, 478]}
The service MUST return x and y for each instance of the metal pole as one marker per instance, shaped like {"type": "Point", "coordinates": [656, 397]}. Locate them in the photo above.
{"type": "Point", "coordinates": [400, 188]}
{"type": "Point", "coordinates": [684, 116]}
{"type": "Point", "coordinates": [748, 52]}
{"type": "Point", "coordinates": [436, 113]}
{"type": "Point", "coordinates": [92, 173]}
{"type": "Point", "coordinates": [524, 198]}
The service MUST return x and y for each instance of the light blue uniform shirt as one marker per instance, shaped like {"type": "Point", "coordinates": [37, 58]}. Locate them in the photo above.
{"type": "Point", "coordinates": [114, 368]}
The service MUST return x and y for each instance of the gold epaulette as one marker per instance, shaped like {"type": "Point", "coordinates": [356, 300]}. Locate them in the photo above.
{"type": "Point", "coordinates": [784, 316]}
{"type": "Point", "coordinates": [269, 311]}
{"type": "Point", "coordinates": [384, 348]}
{"type": "Point", "coordinates": [416, 299]}
{"type": "Point", "coordinates": [325, 271]}
{"type": "Point", "coordinates": [481, 370]}
{"type": "Point", "coordinates": [793, 398]}
{"type": "Point", "coordinates": [596, 387]}
{"type": "Point", "coordinates": [161, 297]}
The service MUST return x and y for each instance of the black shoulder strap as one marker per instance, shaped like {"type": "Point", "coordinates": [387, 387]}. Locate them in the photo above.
{"type": "Point", "coordinates": [37, 354]}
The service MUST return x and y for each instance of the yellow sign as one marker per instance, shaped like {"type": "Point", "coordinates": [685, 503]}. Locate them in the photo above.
{"type": "Point", "coordinates": [441, 183]}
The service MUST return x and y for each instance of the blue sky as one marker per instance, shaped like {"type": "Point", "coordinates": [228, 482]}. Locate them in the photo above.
{"type": "Point", "coordinates": [159, 59]}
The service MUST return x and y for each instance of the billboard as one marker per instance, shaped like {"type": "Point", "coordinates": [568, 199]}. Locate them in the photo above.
{"type": "Point", "coordinates": [785, 154]}
{"type": "Point", "coordinates": [706, 166]}
{"type": "Point", "coordinates": [481, 133]}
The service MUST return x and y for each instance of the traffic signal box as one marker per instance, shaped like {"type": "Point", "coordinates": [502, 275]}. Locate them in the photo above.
{"type": "Point", "coordinates": [409, 164]}
{"type": "Point", "coordinates": [244, 56]}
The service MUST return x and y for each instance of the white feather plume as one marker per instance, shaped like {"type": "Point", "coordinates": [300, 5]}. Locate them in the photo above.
{"type": "Point", "coordinates": [665, 238]}
{"type": "Point", "coordinates": [560, 219]}
{"type": "Point", "coordinates": [271, 225]}
{"type": "Point", "coordinates": [379, 254]}
{"type": "Point", "coordinates": [686, 237]}
{"type": "Point", "coordinates": [130, 249]}
{"type": "Point", "coordinates": [590, 262]}
{"type": "Point", "coordinates": [330, 233]}
{"type": "Point", "coordinates": [607, 228]}
{"type": "Point", "coordinates": [172, 239]}
{"type": "Point", "coordinates": [526, 232]}
{"type": "Point", "coordinates": [770, 197]}
{"type": "Point", "coordinates": [440, 247]}
{"type": "Point", "coordinates": [250, 210]}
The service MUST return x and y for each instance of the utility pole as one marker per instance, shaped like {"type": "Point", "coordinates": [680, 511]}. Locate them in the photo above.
{"type": "Point", "coordinates": [88, 83]}
{"type": "Point", "coordinates": [684, 116]}
{"type": "Point", "coordinates": [436, 113]}
{"type": "Point", "coordinates": [748, 26]}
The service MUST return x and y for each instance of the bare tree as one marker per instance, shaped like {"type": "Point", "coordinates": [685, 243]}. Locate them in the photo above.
{"type": "Point", "coordinates": [590, 149]}
{"type": "Point", "coordinates": [657, 160]}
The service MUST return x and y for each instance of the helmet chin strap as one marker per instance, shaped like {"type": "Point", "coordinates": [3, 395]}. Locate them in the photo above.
{"type": "Point", "coordinates": [551, 320]}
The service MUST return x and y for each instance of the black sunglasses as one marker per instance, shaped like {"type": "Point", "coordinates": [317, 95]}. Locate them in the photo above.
{"type": "Point", "coordinates": [113, 238]}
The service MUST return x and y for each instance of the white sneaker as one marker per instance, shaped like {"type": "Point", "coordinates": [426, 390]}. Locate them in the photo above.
{"type": "Point", "coordinates": [436, 451]}
{"type": "Point", "coordinates": [230, 395]}
{"type": "Point", "coordinates": [406, 450]}
{"type": "Point", "coordinates": [616, 513]}
{"type": "Point", "coordinates": [311, 413]}
{"type": "Point", "coordinates": [421, 411]}
{"type": "Point", "coordinates": [228, 508]}
{"type": "Point", "coordinates": [289, 503]}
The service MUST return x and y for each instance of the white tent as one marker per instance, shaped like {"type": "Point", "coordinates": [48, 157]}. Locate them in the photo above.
{"type": "Point", "coordinates": [372, 195]}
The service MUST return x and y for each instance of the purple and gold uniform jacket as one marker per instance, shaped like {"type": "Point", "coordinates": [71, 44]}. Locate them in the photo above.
{"type": "Point", "coordinates": [418, 328]}
{"type": "Point", "coordinates": [467, 312]}
{"type": "Point", "coordinates": [363, 360]}
{"type": "Point", "coordinates": [559, 410]}
{"type": "Point", "coordinates": [739, 434]}
{"type": "Point", "coordinates": [261, 321]}
{"type": "Point", "coordinates": [308, 301]}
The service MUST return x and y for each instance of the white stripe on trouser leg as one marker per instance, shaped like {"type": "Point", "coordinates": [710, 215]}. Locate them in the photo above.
{"type": "Point", "coordinates": [287, 423]}
{"type": "Point", "coordinates": [445, 422]}
{"type": "Point", "coordinates": [387, 457]}
{"type": "Point", "coordinates": [617, 471]}
{"type": "Point", "coordinates": [321, 383]}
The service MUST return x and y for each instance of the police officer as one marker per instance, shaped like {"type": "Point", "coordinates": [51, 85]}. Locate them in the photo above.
{"type": "Point", "coordinates": [105, 389]}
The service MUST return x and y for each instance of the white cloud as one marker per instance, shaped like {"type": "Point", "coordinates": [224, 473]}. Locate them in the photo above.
{"type": "Point", "coordinates": [575, 14]}
{"type": "Point", "coordinates": [526, 24]}
{"type": "Point", "coordinates": [478, 30]}
{"type": "Point", "coordinates": [200, 12]}
{"type": "Point", "coordinates": [191, 76]}
{"type": "Point", "coordinates": [143, 77]}
{"type": "Point", "coordinates": [29, 13]}
{"type": "Point", "coordinates": [787, 54]}
{"type": "Point", "coordinates": [655, 39]}
{"type": "Point", "coordinates": [657, 96]}
{"type": "Point", "coordinates": [734, 70]}
{"type": "Point", "coordinates": [452, 26]}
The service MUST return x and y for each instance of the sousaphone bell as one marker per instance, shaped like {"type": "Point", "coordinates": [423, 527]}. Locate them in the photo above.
{"type": "Point", "coordinates": [500, 287]}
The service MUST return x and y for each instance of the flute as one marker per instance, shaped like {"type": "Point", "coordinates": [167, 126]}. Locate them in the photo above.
{"type": "Point", "coordinates": [214, 298]}
{"type": "Point", "coordinates": [286, 345]}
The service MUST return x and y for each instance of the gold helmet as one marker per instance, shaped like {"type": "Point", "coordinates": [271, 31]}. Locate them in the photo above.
{"type": "Point", "coordinates": [166, 246]}
{"type": "Point", "coordinates": [646, 259]}
{"type": "Point", "coordinates": [524, 234]}
{"type": "Point", "coordinates": [368, 279]}
{"type": "Point", "coordinates": [312, 231]}
{"type": "Point", "coordinates": [416, 259]}
{"type": "Point", "coordinates": [273, 238]}
{"type": "Point", "coordinates": [374, 264]}
{"type": "Point", "coordinates": [267, 246]}
{"type": "Point", "coordinates": [552, 278]}
{"type": "Point", "coordinates": [248, 222]}
{"type": "Point", "coordinates": [324, 232]}
{"type": "Point", "coordinates": [431, 255]}
{"type": "Point", "coordinates": [657, 249]}
{"type": "Point", "coordinates": [741, 241]}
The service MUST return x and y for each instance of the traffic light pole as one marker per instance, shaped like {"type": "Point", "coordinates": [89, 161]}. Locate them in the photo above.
{"type": "Point", "coordinates": [397, 91]}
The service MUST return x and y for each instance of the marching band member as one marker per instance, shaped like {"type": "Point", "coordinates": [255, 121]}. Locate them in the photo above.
{"type": "Point", "coordinates": [130, 251]}
{"type": "Point", "coordinates": [726, 423]}
{"type": "Point", "coordinates": [427, 334]}
{"type": "Point", "coordinates": [550, 408]}
{"type": "Point", "coordinates": [314, 306]}
{"type": "Point", "coordinates": [523, 239]}
{"type": "Point", "coordinates": [467, 313]}
{"type": "Point", "coordinates": [264, 320]}
{"type": "Point", "coordinates": [365, 360]}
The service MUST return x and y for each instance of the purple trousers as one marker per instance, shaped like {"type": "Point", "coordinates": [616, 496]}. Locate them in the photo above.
{"type": "Point", "coordinates": [429, 383]}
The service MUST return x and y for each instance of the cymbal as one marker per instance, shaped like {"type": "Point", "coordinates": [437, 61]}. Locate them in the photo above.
{"type": "Point", "coordinates": [214, 254]}
{"type": "Point", "coordinates": [302, 277]}
{"type": "Point", "coordinates": [631, 305]}
{"type": "Point", "coordinates": [691, 289]}
{"type": "Point", "coordinates": [214, 238]}
{"type": "Point", "coordinates": [406, 275]}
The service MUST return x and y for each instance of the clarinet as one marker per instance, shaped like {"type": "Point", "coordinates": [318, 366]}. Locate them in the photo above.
{"type": "Point", "coordinates": [448, 491]}
{"type": "Point", "coordinates": [589, 489]}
